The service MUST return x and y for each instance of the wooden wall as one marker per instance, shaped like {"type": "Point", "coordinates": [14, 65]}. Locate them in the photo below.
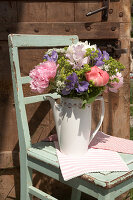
{"type": "Point", "coordinates": [65, 18]}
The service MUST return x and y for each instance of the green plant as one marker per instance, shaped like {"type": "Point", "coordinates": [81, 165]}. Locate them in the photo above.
{"type": "Point", "coordinates": [131, 111]}
{"type": "Point", "coordinates": [131, 133]}
{"type": "Point", "coordinates": [131, 91]}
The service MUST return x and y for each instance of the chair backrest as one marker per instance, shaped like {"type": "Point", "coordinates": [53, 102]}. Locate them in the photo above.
{"type": "Point", "coordinates": [21, 41]}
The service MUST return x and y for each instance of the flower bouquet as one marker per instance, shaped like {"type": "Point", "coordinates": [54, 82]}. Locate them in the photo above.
{"type": "Point", "coordinates": [78, 71]}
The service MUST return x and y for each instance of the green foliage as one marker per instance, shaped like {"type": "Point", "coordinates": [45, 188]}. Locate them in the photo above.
{"type": "Point", "coordinates": [131, 133]}
{"type": "Point", "coordinates": [67, 67]}
{"type": "Point", "coordinates": [64, 68]}
{"type": "Point", "coordinates": [131, 91]}
{"type": "Point", "coordinates": [92, 53]}
{"type": "Point", "coordinates": [114, 66]}
{"type": "Point", "coordinates": [131, 110]}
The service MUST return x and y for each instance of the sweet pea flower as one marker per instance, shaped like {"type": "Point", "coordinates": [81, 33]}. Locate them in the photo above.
{"type": "Point", "coordinates": [82, 86]}
{"type": "Point", "coordinates": [76, 54]}
{"type": "Point", "coordinates": [41, 76]}
{"type": "Point", "coordinates": [74, 84]}
{"type": "Point", "coordinates": [53, 57]}
{"type": "Point", "coordinates": [101, 57]}
{"type": "Point", "coordinates": [116, 85]}
{"type": "Point", "coordinates": [98, 76]}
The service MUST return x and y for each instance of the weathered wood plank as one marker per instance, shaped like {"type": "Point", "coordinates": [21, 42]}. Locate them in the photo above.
{"type": "Point", "coordinates": [8, 121]}
{"type": "Point", "coordinates": [83, 7]}
{"type": "Point", "coordinates": [9, 159]}
{"type": "Point", "coordinates": [33, 56]}
{"type": "Point", "coordinates": [38, 98]}
{"type": "Point", "coordinates": [83, 30]}
{"type": "Point", "coordinates": [40, 194]}
{"type": "Point", "coordinates": [8, 12]}
{"type": "Point", "coordinates": [119, 11]}
{"type": "Point", "coordinates": [10, 184]}
{"type": "Point", "coordinates": [29, 11]}
{"type": "Point", "coordinates": [60, 11]}
{"type": "Point", "coordinates": [41, 40]}
{"type": "Point", "coordinates": [117, 113]}
{"type": "Point", "coordinates": [125, 30]}
{"type": "Point", "coordinates": [5, 71]}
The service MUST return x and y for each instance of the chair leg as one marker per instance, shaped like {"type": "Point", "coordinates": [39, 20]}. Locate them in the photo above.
{"type": "Point", "coordinates": [76, 194]}
{"type": "Point", "coordinates": [25, 181]}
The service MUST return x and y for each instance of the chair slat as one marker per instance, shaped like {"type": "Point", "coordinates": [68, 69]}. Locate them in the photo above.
{"type": "Point", "coordinates": [25, 79]}
{"type": "Point", "coordinates": [40, 194]}
{"type": "Point", "coordinates": [17, 40]}
{"type": "Point", "coordinates": [38, 98]}
{"type": "Point", "coordinates": [43, 156]}
{"type": "Point", "coordinates": [46, 146]}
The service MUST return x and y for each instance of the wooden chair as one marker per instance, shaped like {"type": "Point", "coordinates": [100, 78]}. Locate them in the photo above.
{"type": "Point", "coordinates": [42, 156]}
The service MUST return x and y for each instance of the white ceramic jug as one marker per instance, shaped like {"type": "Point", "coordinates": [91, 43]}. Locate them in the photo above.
{"type": "Point", "coordinates": [73, 124]}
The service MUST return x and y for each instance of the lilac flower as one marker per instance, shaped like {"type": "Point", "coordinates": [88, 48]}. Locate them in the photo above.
{"type": "Point", "coordinates": [99, 59]}
{"type": "Point", "coordinates": [53, 57]}
{"type": "Point", "coordinates": [73, 83]}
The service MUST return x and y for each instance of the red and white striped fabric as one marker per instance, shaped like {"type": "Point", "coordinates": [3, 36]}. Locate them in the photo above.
{"type": "Point", "coordinates": [107, 142]}
{"type": "Point", "coordinates": [101, 156]}
{"type": "Point", "coordinates": [95, 160]}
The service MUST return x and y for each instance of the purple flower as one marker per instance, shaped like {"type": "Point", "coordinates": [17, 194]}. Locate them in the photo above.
{"type": "Point", "coordinates": [53, 57]}
{"type": "Point", "coordinates": [82, 86]}
{"type": "Point", "coordinates": [99, 59]}
{"type": "Point", "coordinates": [72, 79]}
{"type": "Point", "coordinates": [72, 83]}
{"type": "Point", "coordinates": [105, 55]}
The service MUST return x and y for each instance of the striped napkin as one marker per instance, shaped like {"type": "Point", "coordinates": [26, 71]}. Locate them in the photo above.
{"type": "Point", "coordinates": [106, 142]}
{"type": "Point", "coordinates": [101, 156]}
{"type": "Point", "coordinates": [95, 160]}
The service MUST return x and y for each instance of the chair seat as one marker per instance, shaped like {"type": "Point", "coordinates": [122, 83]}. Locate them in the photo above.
{"type": "Point", "coordinates": [46, 152]}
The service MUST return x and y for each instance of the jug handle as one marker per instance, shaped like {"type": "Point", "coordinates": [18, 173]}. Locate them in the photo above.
{"type": "Point", "coordinates": [100, 98]}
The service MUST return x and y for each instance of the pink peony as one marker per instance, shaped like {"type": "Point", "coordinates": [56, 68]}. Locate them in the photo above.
{"type": "Point", "coordinates": [116, 85]}
{"type": "Point", "coordinates": [98, 76]}
{"type": "Point", "coordinates": [41, 76]}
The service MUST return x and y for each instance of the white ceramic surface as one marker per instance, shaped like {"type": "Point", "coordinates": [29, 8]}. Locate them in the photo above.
{"type": "Point", "coordinates": [73, 125]}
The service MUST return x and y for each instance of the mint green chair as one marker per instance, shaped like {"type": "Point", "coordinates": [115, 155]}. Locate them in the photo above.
{"type": "Point", "coordinates": [42, 156]}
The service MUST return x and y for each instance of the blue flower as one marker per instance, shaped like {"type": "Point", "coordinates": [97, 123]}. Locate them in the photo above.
{"type": "Point", "coordinates": [72, 80]}
{"type": "Point", "coordinates": [53, 57]}
{"type": "Point", "coordinates": [99, 59]}
{"type": "Point", "coordinates": [73, 83]}
{"type": "Point", "coordinates": [82, 86]}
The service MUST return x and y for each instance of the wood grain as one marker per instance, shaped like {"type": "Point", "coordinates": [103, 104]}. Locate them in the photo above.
{"type": "Point", "coordinates": [31, 11]}
{"type": "Point", "coordinates": [117, 115]}
{"type": "Point", "coordinates": [8, 12]}
{"type": "Point", "coordinates": [60, 11]}
{"type": "Point", "coordinates": [82, 8]}
{"type": "Point", "coordinates": [83, 30]}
